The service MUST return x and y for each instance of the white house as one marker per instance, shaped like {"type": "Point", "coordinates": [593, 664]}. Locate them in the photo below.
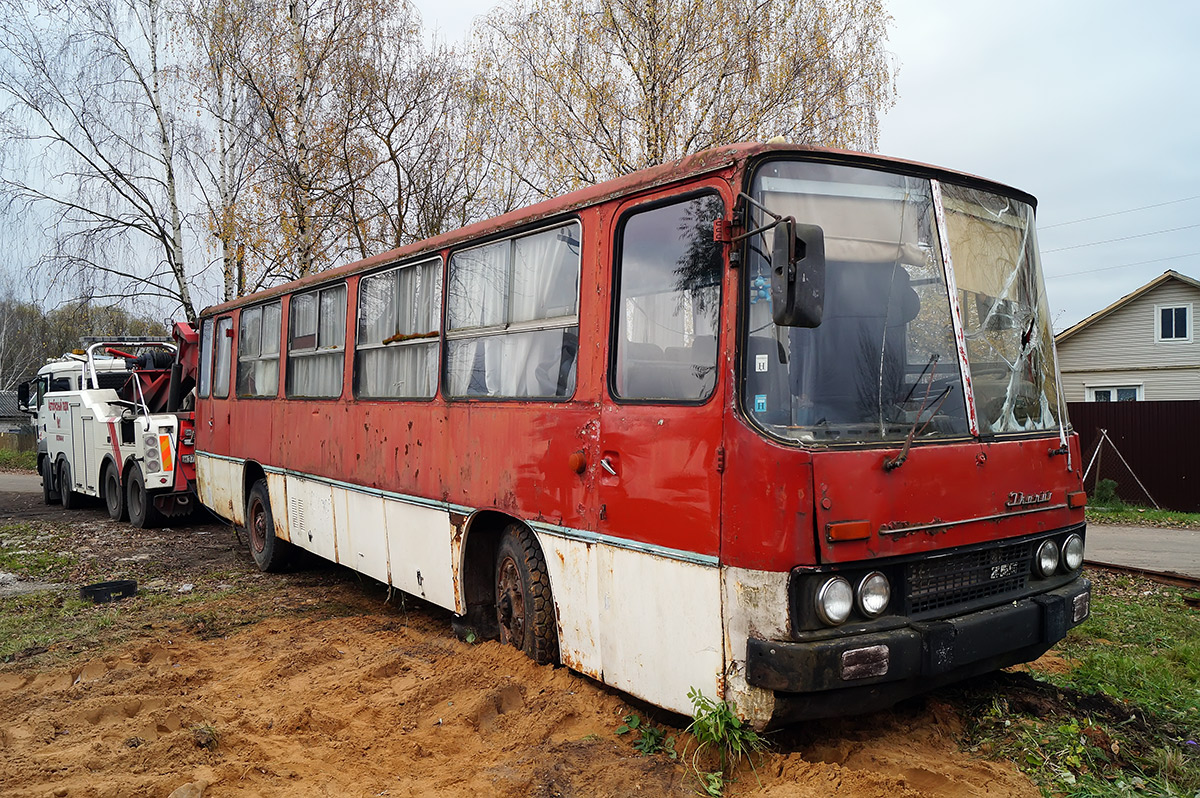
{"type": "Point", "coordinates": [1143, 347]}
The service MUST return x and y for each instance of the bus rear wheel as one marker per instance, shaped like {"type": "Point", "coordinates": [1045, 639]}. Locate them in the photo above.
{"type": "Point", "coordinates": [114, 494]}
{"type": "Point", "coordinates": [269, 552]}
{"type": "Point", "coordinates": [66, 490]}
{"type": "Point", "coordinates": [142, 512]}
{"type": "Point", "coordinates": [49, 494]}
{"type": "Point", "coordinates": [524, 606]}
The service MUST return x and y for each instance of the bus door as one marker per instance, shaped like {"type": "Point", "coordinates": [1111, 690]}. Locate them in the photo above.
{"type": "Point", "coordinates": [658, 478]}
{"type": "Point", "coordinates": [216, 415]}
{"type": "Point", "coordinates": [661, 427]}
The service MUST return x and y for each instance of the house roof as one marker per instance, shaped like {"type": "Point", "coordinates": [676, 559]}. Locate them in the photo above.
{"type": "Point", "coordinates": [8, 405]}
{"type": "Point", "coordinates": [1166, 276]}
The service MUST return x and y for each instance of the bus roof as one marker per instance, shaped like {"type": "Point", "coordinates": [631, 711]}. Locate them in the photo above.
{"type": "Point", "coordinates": [688, 167]}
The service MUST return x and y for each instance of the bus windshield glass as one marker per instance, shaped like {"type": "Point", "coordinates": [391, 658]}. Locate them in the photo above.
{"type": "Point", "coordinates": [1006, 319]}
{"type": "Point", "coordinates": [882, 364]}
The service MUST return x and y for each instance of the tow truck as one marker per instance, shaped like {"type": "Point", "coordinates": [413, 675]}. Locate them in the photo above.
{"type": "Point", "coordinates": [115, 421]}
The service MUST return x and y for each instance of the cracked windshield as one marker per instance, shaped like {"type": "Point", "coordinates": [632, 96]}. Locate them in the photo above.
{"type": "Point", "coordinates": [882, 363]}
{"type": "Point", "coordinates": [1006, 319]}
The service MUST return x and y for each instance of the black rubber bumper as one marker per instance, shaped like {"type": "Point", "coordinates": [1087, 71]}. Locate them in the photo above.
{"type": "Point", "coordinates": [865, 672]}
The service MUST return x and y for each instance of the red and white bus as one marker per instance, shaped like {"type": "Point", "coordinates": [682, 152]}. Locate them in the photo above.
{"type": "Point", "coordinates": [778, 423]}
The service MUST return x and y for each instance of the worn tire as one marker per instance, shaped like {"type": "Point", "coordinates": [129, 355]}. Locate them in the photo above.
{"type": "Point", "coordinates": [524, 606]}
{"type": "Point", "coordinates": [49, 494]}
{"type": "Point", "coordinates": [66, 492]}
{"type": "Point", "coordinates": [114, 494]}
{"type": "Point", "coordinates": [142, 512]}
{"type": "Point", "coordinates": [269, 552]}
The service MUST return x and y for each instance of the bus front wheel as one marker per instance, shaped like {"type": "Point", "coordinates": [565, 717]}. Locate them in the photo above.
{"type": "Point", "coordinates": [269, 552]}
{"type": "Point", "coordinates": [524, 606]}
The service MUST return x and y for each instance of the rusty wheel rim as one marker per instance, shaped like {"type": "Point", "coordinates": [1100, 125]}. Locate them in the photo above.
{"type": "Point", "coordinates": [258, 527]}
{"type": "Point", "coordinates": [510, 603]}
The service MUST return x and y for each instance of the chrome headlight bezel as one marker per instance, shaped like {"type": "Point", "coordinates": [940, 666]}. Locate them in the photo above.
{"type": "Point", "coordinates": [834, 601]}
{"type": "Point", "coordinates": [1045, 560]}
{"type": "Point", "coordinates": [873, 595]}
{"type": "Point", "coordinates": [1072, 553]}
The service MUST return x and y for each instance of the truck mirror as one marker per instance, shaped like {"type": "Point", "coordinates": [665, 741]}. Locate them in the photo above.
{"type": "Point", "coordinates": [23, 398]}
{"type": "Point", "coordinates": [797, 274]}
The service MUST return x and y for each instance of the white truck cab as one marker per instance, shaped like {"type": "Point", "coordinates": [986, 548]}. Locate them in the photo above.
{"type": "Point", "coordinates": [110, 425]}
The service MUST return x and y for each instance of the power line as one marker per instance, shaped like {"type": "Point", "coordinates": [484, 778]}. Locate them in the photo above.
{"type": "Point", "coordinates": [1117, 213]}
{"type": "Point", "coordinates": [1122, 266]}
{"type": "Point", "coordinates": [1123, 238]}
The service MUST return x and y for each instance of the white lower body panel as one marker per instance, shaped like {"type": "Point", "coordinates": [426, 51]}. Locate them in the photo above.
{"type": "Point", "coordinates": [645, 622]}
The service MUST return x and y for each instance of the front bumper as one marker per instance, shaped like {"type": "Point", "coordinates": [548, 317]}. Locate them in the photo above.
{"type": "Point", "coordinates": [866, 672]}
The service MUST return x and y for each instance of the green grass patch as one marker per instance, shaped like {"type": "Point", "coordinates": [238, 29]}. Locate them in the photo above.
{"type": "Point", "coordinates": [18, 461]}
{"type": "Point", "coordinates": [1142, 516]}
{"type": "Point", "coordinates": [1122, 718]}
{"type": "Point", "coordinates": [24, 551]}
{"type": "Point", "coordinates": [48, 628]}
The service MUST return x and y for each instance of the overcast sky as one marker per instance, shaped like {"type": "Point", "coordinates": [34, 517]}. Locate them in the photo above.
{"type": "Point", "coordinates": [1093, 107]}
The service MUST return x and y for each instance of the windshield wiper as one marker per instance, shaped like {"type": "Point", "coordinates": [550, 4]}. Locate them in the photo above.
{"type": "Point", "coordinates": [892, 463]}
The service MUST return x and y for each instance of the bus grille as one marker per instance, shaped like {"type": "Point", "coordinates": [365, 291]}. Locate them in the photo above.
{"type": "Point", "coordinates": [943, 582]}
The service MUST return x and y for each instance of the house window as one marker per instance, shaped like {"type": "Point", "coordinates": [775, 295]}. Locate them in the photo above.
{"type": "Point", "coordinates": [1115, 393]}
{"type": "Point", "coordinates": [1174, 323]}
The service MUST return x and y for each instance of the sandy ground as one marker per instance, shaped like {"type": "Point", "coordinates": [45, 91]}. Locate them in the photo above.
{"type": "Point", "coordinates": [381, 700]}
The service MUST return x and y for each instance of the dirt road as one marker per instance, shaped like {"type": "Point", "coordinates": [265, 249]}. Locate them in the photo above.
{"type": "Point", "coordinates": [315, 683]}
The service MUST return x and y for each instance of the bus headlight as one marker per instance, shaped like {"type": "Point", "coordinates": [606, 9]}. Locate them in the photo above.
{"type": "Point", "coordinates": [1072, 552]}
{"type": "Point", "coordinates": [835, 599]}
{"type": "Point", "coordinates": [1047, 558]}
{"type": "Point", "coordinates": [874, 593]}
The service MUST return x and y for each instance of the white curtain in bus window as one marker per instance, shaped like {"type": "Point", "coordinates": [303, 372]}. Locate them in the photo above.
{"type": "Point", "coordinates": [316, 343]}
{"type": "Point", "coordinates": [669, 297]}
{"type": "Point", "coordinates": [206, 338]}
{"type": "Point", "coordinates": [398, 324]}
{"type": "Point", "coordinates": [258, 351]}
{"type": "Point", "coordinates": [513, 318]}
{"type": "Point", "coordinates": [1006, 318]}
{"type": "Point", "coordinates": [224, 349]}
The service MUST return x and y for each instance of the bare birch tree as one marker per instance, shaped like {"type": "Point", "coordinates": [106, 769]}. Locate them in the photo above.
{"type": "Point", "coordinates": [599, 88]}
{"type": "Point", "coordinates": [90, 108]}
{"type": "Point", "coordinates": [225, 166]}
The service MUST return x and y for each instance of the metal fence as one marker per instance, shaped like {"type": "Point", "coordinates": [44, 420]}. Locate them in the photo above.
{"type": "Point", "coordinates": [1152, 451]}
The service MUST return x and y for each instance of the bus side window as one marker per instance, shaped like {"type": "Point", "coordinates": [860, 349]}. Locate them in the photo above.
{"type": "Point", "coordinates": [513, 316]}
{"type": "Point", "coordinates": [316, 343]}
{"type": "Point", "coordinates": [669, 293]}
{"type": "Point", "coordinates": [206, 339]}
{"type": "Point", "coordinates": [258, 350]}
{"type": "Point", "coordinates": [224, 349]}
{"type": "Point", "coordinates": [397, 348]}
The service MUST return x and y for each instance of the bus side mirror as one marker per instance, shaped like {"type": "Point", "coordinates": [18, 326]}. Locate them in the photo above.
{"type": "Point", "coordinates": [23, 398]}
{"type": "Point", "coordinates": [797, 274]}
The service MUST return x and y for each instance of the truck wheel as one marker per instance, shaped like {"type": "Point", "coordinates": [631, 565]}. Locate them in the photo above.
{"type": "Point", "coordinates": [70, 499]}
{"type": "Point", "coordinates": [142, 512]}
{"type": "Point", "coordinates": [114, 494]}
{"type": "Point", "coordinates": [523, 604]}
{"type": "Point", "coordinates": [269, 552]}
{"type": "Point", "coordinates": [49, 494]}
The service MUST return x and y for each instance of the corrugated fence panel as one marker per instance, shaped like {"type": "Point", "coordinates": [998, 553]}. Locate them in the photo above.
{"type": "Point", "coordinates": [1160, 444]}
